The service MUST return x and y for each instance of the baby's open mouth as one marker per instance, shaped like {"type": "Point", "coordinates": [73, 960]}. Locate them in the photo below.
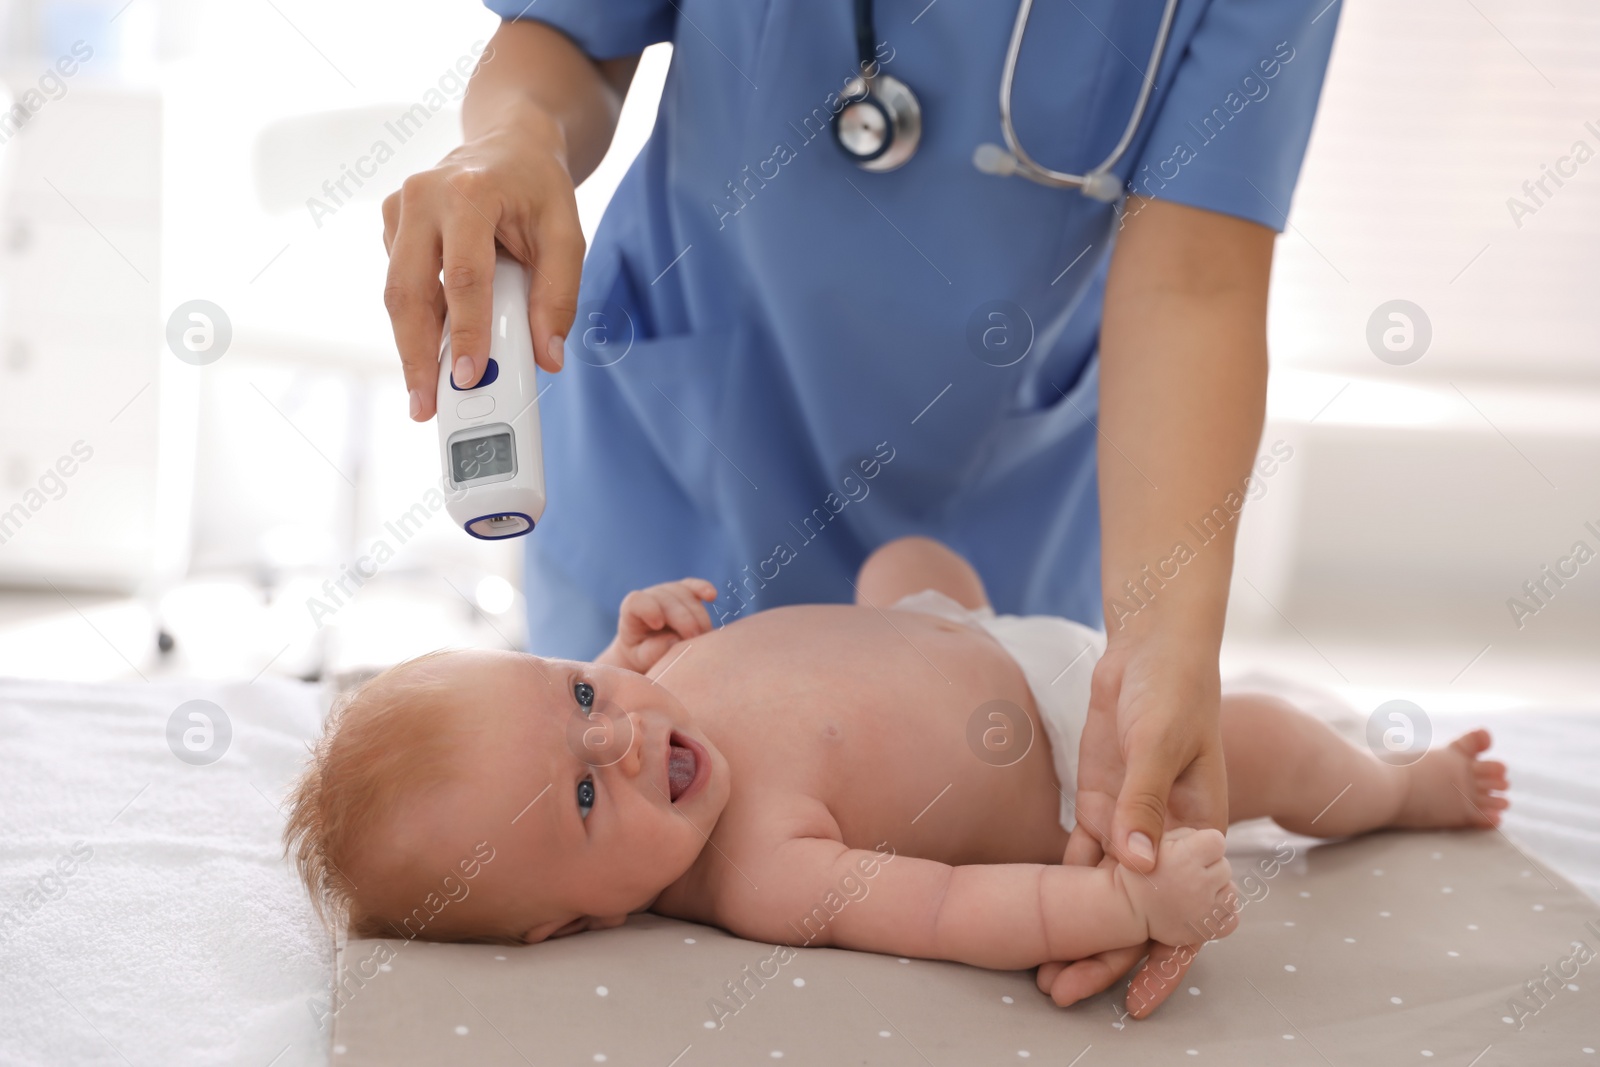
{"type": "Point", "coordinates": [683, 765]}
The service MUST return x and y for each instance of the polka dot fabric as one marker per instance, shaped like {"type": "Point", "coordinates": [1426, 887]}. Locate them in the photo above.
{"type": "Point", "coordinates": [1389, 949]}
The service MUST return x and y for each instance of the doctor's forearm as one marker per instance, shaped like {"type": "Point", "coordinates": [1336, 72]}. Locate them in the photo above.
{"type": "Point", "coordinates": [1182, 396]}
{"type": "Point", "coordinates": [537, 78]}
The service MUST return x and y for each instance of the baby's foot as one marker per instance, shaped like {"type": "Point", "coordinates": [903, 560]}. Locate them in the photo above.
{"type": "Point", "coordinates": [1452, 787]}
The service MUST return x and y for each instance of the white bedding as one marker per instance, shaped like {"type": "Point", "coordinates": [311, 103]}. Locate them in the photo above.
{"type": "Point", "coordinates": [1552, 757]}
{"type": "Point", "coordinates": [186, 939]}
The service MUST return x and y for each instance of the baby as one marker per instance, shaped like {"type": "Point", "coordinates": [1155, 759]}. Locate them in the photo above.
{"type": "Point", "coordinates": [865, 776]}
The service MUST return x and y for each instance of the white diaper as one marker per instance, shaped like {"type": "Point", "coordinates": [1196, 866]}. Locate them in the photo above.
{"type": "Point", "coordinates": [1056, 655]}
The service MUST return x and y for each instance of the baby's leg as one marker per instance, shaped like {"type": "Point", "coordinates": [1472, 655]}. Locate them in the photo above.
{"type": "Point", "coordinates": [1293, 767]}
{"type": "Point", "coordinates": [909, 565]}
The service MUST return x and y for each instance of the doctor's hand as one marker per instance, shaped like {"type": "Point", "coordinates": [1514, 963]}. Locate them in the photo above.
{"type": "Point", "coordinates": [509, 184]}
{"type": "Point", "coordinates": [1150, 758]}
{"type": "Point", "coordinates": [1151, 752]}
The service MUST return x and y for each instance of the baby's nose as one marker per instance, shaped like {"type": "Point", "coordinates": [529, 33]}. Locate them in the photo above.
{"type": "Point", "coordinates": [633, 760]}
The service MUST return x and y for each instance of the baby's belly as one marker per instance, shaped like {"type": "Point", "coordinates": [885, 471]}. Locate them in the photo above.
{"type": "Point", "coordinates": [915, 731]}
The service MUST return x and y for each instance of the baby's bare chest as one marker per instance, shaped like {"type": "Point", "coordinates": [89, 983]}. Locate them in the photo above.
{"type": "Point", "coordinates": [888, 720]}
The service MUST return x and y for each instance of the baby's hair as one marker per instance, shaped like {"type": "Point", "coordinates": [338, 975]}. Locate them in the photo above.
{"type": "Point", "coordinates": [380, 740]}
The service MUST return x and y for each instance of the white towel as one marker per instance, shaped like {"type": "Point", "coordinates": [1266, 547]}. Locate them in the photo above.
{"type": "Point", "coordinates": [146, 913]}
{"type": "Point", "coordinates": [1550, 754]}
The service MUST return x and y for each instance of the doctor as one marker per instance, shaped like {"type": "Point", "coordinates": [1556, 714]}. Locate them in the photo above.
{"type": "Point", "coordinates": [1010, 293]}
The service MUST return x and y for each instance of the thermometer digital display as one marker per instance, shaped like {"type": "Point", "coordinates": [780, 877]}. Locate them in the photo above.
{"type": "Point", "coordinates": [489, 437]}
{"type": "Point", "coordinates": [474, 460]}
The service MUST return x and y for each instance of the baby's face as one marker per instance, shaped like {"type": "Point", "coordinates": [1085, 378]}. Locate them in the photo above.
{"type": "Point", "coordinates": [591, 784]}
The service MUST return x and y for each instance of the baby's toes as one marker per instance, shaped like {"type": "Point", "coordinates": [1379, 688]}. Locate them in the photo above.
{"type": "Point", "coordinates": [1473, 742]}
{"type": "Point", "coordinates": [1486, 809]}
{"type": "Point", "coordinates": [1487, 781]}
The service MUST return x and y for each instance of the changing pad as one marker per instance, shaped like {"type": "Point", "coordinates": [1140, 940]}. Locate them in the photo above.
{"type": "Point", "coordinates": [1393, 948]}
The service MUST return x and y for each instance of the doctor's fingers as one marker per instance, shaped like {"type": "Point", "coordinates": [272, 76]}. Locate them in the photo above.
{"type": "Point", "coordinates": [1083, 849]}
{"type": "Point", "coordinates": [1075, 980]}
{"type": "Point", "coordinates": [1160, 976]}
{"type": "Point", "coordinates": [557, 268]}
{"type": "Point", "coordinates": [391, 221]}
{"type": "Point", "coordinates": [466, 258]}
{"type": "Point", "coordinates": [415, 302]}
{"type": "Point", "coordinates": [1172, 750]}
{"type": "Point", "coordinates": [1092, 811]}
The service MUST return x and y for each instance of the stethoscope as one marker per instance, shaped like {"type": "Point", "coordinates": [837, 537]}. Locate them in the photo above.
{"type": "Point", "coordinates": [881, 123]}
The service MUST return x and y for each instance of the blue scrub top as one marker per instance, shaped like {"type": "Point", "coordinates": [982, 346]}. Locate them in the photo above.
{"type": "Point", "coordinates": [782, 361]}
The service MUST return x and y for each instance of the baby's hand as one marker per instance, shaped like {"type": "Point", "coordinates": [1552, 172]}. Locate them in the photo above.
{"type": "Point", "coordinates": [652, 620]}
{"type": "Point", "coordinates": [1189, 897]}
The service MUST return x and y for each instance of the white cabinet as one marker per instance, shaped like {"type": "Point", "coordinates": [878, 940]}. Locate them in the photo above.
{"type": "Point", "coordinates": [96, 422]}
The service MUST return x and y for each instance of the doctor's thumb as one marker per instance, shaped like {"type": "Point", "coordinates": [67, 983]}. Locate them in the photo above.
{"type": "Point", "coordinates": [1141, 814]}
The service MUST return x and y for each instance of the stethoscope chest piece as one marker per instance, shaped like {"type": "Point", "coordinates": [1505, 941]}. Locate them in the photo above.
{"type": "Point", "coordinates": [880, 124]}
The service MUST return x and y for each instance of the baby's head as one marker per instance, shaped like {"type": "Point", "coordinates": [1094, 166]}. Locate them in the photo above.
{"type": "Point", "coordinates": [496, 796]}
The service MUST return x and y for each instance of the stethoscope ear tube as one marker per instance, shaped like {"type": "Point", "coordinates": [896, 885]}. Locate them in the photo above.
{"type": "Point", "coordinates": [1098, 183]}
{"type": "Point", "coordinates": [990, 158]}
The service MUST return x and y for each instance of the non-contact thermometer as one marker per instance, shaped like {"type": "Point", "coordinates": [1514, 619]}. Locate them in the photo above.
{"type": "Point", "coordinates": [489, 432]}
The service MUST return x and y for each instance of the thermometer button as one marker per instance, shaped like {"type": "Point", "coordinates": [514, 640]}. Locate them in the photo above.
{"type": "Point", "coordinates": [475, 407]}
{"type": "Point", "coordinates": [490, 372]}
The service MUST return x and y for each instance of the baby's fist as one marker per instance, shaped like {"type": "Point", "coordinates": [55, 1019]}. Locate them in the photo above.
{"type": "Point", "coordinates": [1189, 897]}
{"type": "Point", "coordinates": [652, 620]}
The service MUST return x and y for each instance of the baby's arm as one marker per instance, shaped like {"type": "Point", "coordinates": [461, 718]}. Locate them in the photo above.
{"type": "Point", "coordinates": [815, 891]}
{"type": "Point", "coordinates": [650, 621]}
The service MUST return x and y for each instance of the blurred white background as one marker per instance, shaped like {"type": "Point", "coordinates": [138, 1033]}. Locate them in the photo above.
{"type": "Point", "coordinates": [223, 505]}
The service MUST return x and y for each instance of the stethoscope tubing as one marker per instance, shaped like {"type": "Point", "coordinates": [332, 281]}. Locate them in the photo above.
{"type": "Point", "coordinates": [1030, 168]}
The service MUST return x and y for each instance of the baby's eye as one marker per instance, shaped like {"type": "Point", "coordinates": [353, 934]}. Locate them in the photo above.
{"type": "Point", "coordinates": [584, 693]}
{"type": "Point", "coordinates": [585, 797]}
